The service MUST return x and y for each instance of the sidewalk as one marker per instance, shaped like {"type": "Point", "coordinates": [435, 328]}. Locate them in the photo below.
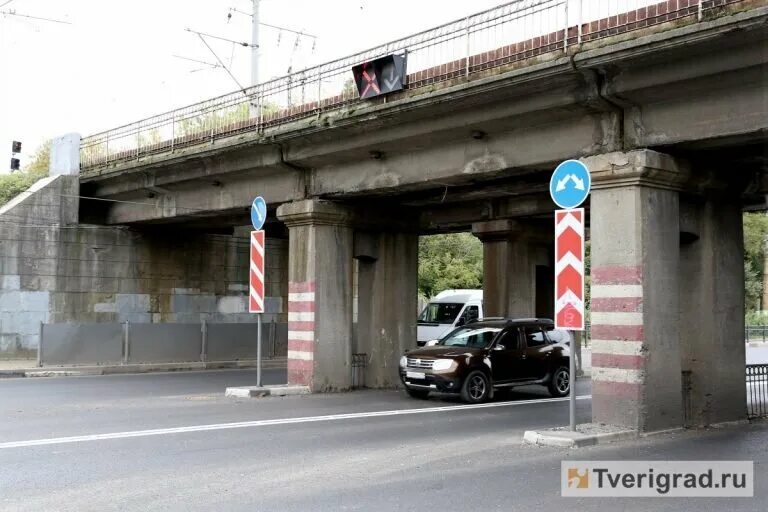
{"type": "Point", "coordinates": [28, 368]}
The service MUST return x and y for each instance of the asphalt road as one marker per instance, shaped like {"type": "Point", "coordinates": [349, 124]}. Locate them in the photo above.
{"type": "Point", "coordinates": [92, 443]}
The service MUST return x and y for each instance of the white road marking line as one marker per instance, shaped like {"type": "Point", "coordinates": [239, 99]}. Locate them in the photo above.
{"type": "Point", "coordinates": [266, 423]}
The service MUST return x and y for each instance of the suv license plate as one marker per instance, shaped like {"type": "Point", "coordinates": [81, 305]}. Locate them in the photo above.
{"type": "Point", "coordinates": [416, 375]}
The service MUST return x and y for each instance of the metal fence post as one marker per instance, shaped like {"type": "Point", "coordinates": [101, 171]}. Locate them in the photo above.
{"type": "Point", "coordinates": [204, 342]}
{"type": "Point", "coordinates": [701, 10]}
{"type": "Point", "coordinates": [173, 131]}
{"type": "Point", "coordinates": [272, 338]}
{"type": "Point", "coordinates": [565, 34]}
{"type": "Point", "coordinates": [40, 347]}
{"type": "Point", "coordinates": [468, 47]}
{"type": "Point", "coordinates": [579, 23]}
{"type": "Point", "coordinates": [126, 342]}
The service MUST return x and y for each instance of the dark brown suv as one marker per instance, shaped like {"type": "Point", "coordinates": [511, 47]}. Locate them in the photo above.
{"type": "Point", "coordinates": [489, 354]}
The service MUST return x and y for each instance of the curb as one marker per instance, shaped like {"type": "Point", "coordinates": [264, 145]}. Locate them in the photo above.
{"type": "Point", "coordinates": [257, 392]}
{"type": "Point", "coordinates": [11, 374]}
{"type": "Point", "coordinates": [568, 439]}
{"type": "Point", "coordinates": [61, 373]}
{"type": "Point", "coordinates": [80, 371]}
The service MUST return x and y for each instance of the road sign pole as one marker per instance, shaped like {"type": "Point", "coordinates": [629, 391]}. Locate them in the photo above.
{"type": "Point", "coordinates": [569, 187]}
{"type": "Point", "coordinates": [257, 284]}
{"type": "Point", "coordinates": [258, 352]}
{"type": "Point", "coordinates": [572, 377]}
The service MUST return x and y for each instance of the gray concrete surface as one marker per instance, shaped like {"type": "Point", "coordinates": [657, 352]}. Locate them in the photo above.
{"type": "Point", "coordinates": [96, 274]}
{"type": "Point", "coordinates": [464, 459]}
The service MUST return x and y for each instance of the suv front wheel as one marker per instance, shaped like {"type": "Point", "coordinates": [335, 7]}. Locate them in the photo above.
{"type": "Point", "coordinates": [476, 388]}
{"type": "Point", "coordinates": [560, 385]}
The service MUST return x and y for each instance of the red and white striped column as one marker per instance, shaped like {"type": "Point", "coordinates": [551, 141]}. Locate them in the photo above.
{"type": "Point", "coordinates": [635, 291]}
{"type": "Point", "coordinates": [617, 337]}
{"type": "Point", "coordinates": [301, 332]}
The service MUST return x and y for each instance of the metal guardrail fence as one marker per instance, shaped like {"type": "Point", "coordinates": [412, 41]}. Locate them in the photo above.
{"type": "Point", "coordinates": [757, 390]}
{"type": "Point", "coordinates": [514, 31]}
{"type": "Point", "coordinates": [756, 333]}
{"type": "Point", "coordinates": [134, 343]}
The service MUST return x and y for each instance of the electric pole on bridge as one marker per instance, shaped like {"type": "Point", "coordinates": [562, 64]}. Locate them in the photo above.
{"type": "Point", "coordinates": [255, 48]}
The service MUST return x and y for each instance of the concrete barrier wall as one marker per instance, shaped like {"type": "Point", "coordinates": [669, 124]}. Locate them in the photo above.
{"type": "Point", "coordinates": [121, 343]}
{"type": "Point", "coordinates": [66, 344]}
{"type": "Point", "coordinates": [227, 342]}
{"type": "Point", "coordinates": [164, 343]}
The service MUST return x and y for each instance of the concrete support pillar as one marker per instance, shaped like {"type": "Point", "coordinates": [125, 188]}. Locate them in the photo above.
{"type": "Point", "coordinates": [387, 307]}
{"type": "Point", "coordinates": [635, 233]}
{"type": "Point", "coordinates": [319, 294]}
{"type": "Point", "coordinates": [511, 254]}
{"type": "Point", "coordinates": [712, 312]}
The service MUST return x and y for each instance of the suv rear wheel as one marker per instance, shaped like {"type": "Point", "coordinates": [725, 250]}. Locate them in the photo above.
{"type": "Point", "coordinates": [476, 388]}
{"type": "Point", "coordinates": [560, 385]}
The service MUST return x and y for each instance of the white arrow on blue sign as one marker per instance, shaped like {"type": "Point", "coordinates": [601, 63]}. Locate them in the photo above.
{"type": "Point", "coordinates": [570, 184]}
{"type": "Point", "coordinates": [258, 213]}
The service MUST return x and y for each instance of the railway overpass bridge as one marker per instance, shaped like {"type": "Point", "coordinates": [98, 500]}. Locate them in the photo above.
{"type": "Point", "coordinates": [667, 104]}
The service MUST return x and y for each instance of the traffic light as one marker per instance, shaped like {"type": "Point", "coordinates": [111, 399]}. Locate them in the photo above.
{"type": "Point", "coordinates": [16, 147]}
{"type": "Point", "coordinates": [15, 164]}
{"type": "Point", "coordinates": [380, 76]}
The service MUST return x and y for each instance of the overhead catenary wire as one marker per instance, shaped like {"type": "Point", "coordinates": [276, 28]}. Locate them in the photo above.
{"type": "Point", "coordinates": [276, 27]}
{"type": "Point", "coordinates": [38, 18]}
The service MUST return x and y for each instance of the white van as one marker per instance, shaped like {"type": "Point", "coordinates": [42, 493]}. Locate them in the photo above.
{"type": "Point", "coordinates": [446, 311]}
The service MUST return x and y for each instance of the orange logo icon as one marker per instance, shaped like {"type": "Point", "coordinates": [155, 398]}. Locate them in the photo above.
{"type": "Point", "coordinates": [578, 479]}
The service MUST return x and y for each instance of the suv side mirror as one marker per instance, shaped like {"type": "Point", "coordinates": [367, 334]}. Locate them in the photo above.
{"type": "Point", "coordinates": [461, 321]}
{"type": "Point", "coordinates": [499, 347]}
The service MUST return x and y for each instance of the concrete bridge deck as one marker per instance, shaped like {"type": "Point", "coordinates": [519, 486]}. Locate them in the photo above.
{"type": "Point", "coordinates": [686, 87]}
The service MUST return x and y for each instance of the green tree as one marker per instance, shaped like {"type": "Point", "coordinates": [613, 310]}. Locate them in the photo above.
{"type": "Point", "coordinates": [15, 183]}
{"type": "Point", "coordinates": [449, 261]}
{"type": "Point", "coordinates": [755, 233]}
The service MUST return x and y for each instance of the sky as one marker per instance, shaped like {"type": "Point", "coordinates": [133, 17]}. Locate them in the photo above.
{"type": "Point", "coordinates": [115, 63]}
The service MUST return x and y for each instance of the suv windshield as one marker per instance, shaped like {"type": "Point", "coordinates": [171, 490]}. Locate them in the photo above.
{"type": "Point", "coordinates": [475, 337]}
{"type": "Point", "coordinates": [440, 313]}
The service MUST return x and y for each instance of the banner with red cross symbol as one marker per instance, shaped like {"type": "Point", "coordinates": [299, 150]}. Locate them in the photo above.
{"type": "Point", "coordinates": [569, 269]}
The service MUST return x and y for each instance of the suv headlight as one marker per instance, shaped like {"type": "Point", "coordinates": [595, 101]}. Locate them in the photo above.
{"type": "Point", "coordinates": [443, 364]}
{"type": "Point", "coordinates": [403, 362]}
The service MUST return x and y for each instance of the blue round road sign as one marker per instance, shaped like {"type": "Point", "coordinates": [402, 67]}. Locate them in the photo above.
{"type": "Point", "coordinates": [570, 184]}
{"type": "Point", "coordinates": [258, 213]}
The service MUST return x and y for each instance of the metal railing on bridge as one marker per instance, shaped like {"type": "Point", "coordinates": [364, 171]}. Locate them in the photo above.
{"type": "Point", "coordinates": [757, 390]}
{"type": "Point", "coordinates": [500, 36]}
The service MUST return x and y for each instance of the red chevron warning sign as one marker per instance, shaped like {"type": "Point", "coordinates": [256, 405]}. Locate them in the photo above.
{"type": "Point", "coordinates": [256, 300]}
{"type": "Point", "coordinates": [569, 269]}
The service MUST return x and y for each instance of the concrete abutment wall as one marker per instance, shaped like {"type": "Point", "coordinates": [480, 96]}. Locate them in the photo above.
{"type": "Point", "coordinates": [54, 270]}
